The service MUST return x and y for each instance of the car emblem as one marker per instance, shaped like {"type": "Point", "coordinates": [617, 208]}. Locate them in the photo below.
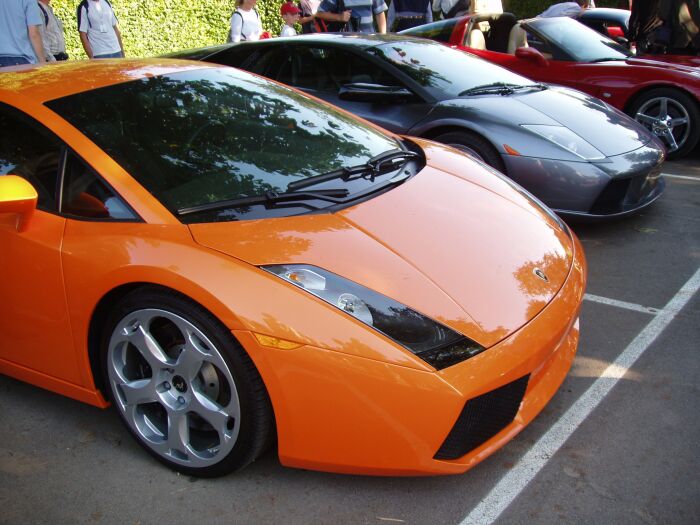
{"type": "Point", "coordinates": [539, 273]}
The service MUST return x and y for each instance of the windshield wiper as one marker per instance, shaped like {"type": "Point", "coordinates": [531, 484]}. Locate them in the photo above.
{"type": "Point", "coordinates": [336, 196]}
{"type": "Point", "coordinates": [369, 169]}
{"type": "Point", "coordinates": [499, 88]}
{"type": "Point", "coordinates": [538, 86]}
{"type": "Point", "coordinates": [607, 59]}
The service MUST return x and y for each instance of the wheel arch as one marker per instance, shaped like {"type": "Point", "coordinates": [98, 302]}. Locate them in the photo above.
{"type": "Point", "coordinates": [103, 308]}
{"type": "Point", "coordinates": [443, 128]}
{"type": "Point", "coordinates": [634, 98]}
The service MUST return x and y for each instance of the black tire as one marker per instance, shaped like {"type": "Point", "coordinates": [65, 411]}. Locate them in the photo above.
{"type": "Point", "coordinates": [242, 408]}
{"type": "Point", "coordinates": [474, 145]}
{"type": "Point", "coordinates": [647, 109]}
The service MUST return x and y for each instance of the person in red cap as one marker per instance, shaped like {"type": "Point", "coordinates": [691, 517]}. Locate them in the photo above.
{"type": "Point", "coordinates": [290, 14]}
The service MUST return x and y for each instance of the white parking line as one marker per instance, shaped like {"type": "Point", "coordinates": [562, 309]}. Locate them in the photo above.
{"type": "Point", "coordinates": [683, 177]}
{"type": "Point", "coordinates": [621, 304]}
{"type": "Point", "coordinates": [514, 482]}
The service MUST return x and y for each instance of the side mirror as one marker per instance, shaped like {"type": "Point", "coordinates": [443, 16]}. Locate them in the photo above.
{"type": "Point", "coordinates": [19, 197]}
{"type": "Point", "coordinates": [375, 93]}
{"type": "Point", "coordinates": [531, 54]}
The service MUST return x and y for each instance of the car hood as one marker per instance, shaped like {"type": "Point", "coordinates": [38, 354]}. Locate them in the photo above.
{"type": "Point", "coordinates": [669, 63]}
{"type": "Point", "coordinates": [455, 242]}
{"type": "Point", "coordinates": [608, 130]}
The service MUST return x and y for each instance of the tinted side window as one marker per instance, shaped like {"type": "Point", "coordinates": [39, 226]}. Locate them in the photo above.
{"type": "Point", "coordinates": [32, 152]}
{"type": "Point", "coordinates": [327, 69]}
{"type": "Point", "coordinates": [86, 196]}
{"type": "Point", "coordinates": [234, 56]}
{"type": "Point", "coordinates": [272, 64]}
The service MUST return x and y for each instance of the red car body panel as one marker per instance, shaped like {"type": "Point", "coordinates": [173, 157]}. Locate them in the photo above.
{"type": "Point", "coordinates": [615, 82]}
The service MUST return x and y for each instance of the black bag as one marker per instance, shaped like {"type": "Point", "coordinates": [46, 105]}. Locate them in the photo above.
{"type": "Point", "coordinates": [461, 5]}
{"type": "Point", "coordinates": [325, 26]}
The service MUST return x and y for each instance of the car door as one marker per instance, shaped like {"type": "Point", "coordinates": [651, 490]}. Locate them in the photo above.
{"type": "Point", "coordinates": [33, 313]}
{"type": "Point", "coordinates": [35, 318]}
{"type": "Point", "coordinates": [323, 70]}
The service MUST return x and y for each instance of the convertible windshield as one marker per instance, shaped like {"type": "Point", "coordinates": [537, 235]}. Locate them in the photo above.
{"type": "Point", "coordinates": [218, 134]}
{"type": "Point", "coordinates": [443, 71]}
{"type": "Point", "coordinates": [579, 42]}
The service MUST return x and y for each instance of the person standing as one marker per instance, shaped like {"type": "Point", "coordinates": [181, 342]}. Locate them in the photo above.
{"type": "Point", "coordinates": [404, 14]}
{"type": "Point", "coordinates": [451, 8]}
{"type": "Point", "coordinates": [572, 9]}
{"type": "Point", "coordinates": [290, 14]}
{"type": "Point", "coordinates": [20, 33]}
{"type": "Point", "coordinates": [245, 22]}
{"type": "Point", "coordinates": [54, 41]}
{"type": "Point", "coordinates": [308, 13]}
{"type": "Point", "coordinates": [99, 29]}
{"type": "Point", "coordinates": [360, 16]}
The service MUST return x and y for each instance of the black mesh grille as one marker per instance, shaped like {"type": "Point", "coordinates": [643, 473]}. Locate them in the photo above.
{"type": "Point", "coordinates": [623, 194]}
{"type": "Point", "coordinates": [482, 418]}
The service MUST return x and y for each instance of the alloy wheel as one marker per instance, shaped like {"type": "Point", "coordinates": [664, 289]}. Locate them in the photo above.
{"type": "Point", "coordinates": [667, 118]}
{"type": "Point", "coordinates": [173, 388]}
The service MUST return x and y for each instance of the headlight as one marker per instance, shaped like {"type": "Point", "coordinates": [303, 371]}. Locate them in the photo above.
{"type": "Point", "coordinates": [433, 342]}
{"type": "Point", "coordinates": [567, 139]}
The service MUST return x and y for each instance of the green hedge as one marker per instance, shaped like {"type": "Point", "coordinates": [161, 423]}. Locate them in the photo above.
{"type": "Point", "coordinates": [152, 27]}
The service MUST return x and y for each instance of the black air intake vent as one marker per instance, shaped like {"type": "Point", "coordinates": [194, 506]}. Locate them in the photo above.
{"type": "Point", "coordinates": [482, 418]}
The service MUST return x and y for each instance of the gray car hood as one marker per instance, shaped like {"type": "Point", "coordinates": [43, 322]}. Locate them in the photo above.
{"type": "Point", "coordinates": [608, 130]}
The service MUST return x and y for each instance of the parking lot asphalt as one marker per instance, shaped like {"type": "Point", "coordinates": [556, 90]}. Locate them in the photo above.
{"type": "Point", "coordinates": [617, 444]}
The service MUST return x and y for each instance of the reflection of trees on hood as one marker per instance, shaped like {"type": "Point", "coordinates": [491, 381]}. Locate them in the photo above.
{"type": "Point", "coordinates": [209, 139]}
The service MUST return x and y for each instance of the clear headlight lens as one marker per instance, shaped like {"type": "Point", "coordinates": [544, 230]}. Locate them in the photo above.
{"type": "Point", "coordinates": [567, 139]}
{"type": "Point", "coordinates": [433, 342]}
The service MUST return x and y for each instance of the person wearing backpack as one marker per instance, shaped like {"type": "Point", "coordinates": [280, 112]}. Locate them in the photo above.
{"type": "Point", "coordinates": [54, 41]}
{"type": "Point", "coordinates": [451, 8]}
{"type": "Point", "coordinates": [359, 18]}
{"type": "Point", "coordinates": [404, 14]}
{"type": "Point", "coordinates": [308, 15]}
{"type": "Point", "coordinates": [99, 29]}
{"type": "Point", "coordinates": [245, 22]}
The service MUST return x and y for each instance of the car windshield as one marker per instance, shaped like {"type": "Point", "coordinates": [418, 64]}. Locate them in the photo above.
{"type": "Point", "coordinates": [443, 71]}
{"type": "Point", "coordinates": [581, 43]}
{"type": "Point", "coordinates": [440, 31]}
{"type": "Point", "coordinates": [218, 134]}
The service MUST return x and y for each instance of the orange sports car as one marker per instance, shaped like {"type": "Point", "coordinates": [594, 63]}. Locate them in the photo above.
{"type": "Point", "coordinates": [231, 263]}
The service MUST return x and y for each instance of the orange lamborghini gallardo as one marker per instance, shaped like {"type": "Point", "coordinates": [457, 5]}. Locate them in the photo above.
{"type": "Point", "coordinates": [232, 264]}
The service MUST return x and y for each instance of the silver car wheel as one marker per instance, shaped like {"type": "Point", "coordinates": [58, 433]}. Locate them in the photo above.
{"type": "Point", "coordinates": [668, 119]}
{"type": "Point", "coordinates": [173, 388]}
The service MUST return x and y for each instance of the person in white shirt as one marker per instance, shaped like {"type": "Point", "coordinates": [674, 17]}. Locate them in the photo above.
{"type": "Point", "coordinates": [245, 22]}
{"type": "Point", "coordinates": [99, 29]}
{"type": "Point", "coordinates": [572, 9]}
{"type": "Point", "coordinates": [54, 41]}
{"type": "Point", "coordinates": [290, 14]}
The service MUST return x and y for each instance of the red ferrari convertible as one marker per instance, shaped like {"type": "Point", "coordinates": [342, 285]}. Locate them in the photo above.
{"type": "Point", "coordinates": [661, 95]}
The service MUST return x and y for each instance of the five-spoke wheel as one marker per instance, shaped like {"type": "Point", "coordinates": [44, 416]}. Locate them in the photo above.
{"type": "Point", "coordinates": [672, 116]}
{"type": "Point", "coordinates": [185, 389]}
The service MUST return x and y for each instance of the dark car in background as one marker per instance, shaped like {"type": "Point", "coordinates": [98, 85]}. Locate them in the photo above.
{"type": "Point", "coordinates": [615, 23]}
{"type": "Point", "coordinates": [577, 154]}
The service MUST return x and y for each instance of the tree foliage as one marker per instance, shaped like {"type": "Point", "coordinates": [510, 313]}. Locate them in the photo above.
{"type": "Point", "coordinates": [153, 27]}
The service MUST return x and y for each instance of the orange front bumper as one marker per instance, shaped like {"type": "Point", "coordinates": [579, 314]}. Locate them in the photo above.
{"type": "Point", "coordinates": [342, 413]}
